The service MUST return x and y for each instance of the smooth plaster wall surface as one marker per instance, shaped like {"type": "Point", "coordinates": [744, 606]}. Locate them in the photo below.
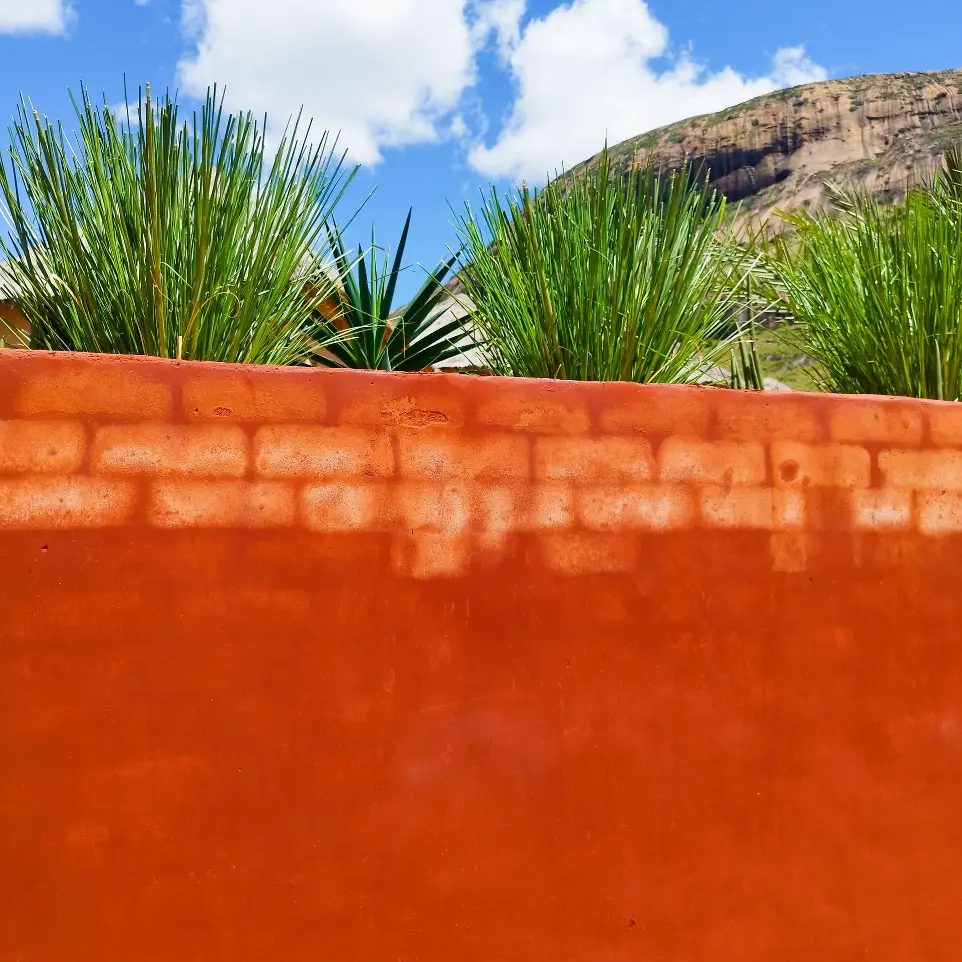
{"type": "Point", "coordinates": [308, 665]}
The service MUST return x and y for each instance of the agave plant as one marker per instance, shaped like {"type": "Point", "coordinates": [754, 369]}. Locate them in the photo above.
{"type": "Point", "coordinates": [877, 292]}
{"type": "Point", "coordinates": [361, 328]}
{"type": "Point", "coordinates": [144, 234]}
{"type": "Point", "coordinates": [603, 277]}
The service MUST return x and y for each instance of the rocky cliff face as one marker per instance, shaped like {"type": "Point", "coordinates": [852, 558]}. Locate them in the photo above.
{"type": "Point", "coordinates": [884, 132]}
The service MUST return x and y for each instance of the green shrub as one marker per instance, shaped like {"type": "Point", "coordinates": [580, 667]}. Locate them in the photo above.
{"type": "Point", "coordinates": [603, 277]}
{"type": "Point", "coordinates": [148, 235]}
{"type": "Point", "coordinates": [361, 329]}
{"type": "Point", "coordinates": [877, 291]}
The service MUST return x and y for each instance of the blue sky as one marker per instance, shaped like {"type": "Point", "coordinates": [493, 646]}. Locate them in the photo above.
{"type": "Point", "coordinates": [437, 98]}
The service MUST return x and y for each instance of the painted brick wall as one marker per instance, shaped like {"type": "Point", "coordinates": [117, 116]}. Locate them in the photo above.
{"type": "Point", "coordinates": [428, 667]}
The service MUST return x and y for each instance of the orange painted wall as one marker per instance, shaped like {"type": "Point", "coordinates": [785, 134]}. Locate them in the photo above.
{"type": "Point", "coordinates": [299, 665]}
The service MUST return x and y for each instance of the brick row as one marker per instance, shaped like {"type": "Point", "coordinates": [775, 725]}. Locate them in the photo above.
{"type": "Point", "coordinates": [580, 552]}
{"type": "Point", "coordinates": [414, 474]}
{"type": "Point", "coordinates": [287, 451]}
{"type": "Point", "coordinates": [291, 451]}
{"type": "Point", "coordinates": [455, 508]}
{"type": "Point", "coordinates": [129, 389]}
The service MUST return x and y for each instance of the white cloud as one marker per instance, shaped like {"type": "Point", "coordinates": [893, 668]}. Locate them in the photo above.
{"type": "Point", "coordinates": [387, 73]}
{"type": "Point", "coordinates": [34, 16]}
{"type": "Point", "coordinates": [126, 112]}
{"type": "Point", "coordinates": [584, 73]}
{"type": "Point", "coordinates": [503, 19]}
{"type": "Point", "coordinates": [384, 72]}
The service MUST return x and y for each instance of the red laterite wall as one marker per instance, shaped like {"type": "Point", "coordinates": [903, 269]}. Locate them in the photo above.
{"type": "Point", "coordinates": [300, 665]}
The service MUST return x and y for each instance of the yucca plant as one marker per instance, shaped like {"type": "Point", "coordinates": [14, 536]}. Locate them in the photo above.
{"type": "Point", "coordinates": [604, 277]}
{"type": "Point", "coordinates": [359, 325]}
{"type": "Point", "coordinates": [146, 234]}
{"type": "Point", "coordinates": [877, 292]}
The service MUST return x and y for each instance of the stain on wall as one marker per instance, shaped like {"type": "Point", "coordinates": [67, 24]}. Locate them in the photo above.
{"type": "Point", "coordinates": [298, 664]}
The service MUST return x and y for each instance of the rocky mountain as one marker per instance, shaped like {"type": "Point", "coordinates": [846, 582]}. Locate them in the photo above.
{"type": "Point", "coordinates": [884, 132]}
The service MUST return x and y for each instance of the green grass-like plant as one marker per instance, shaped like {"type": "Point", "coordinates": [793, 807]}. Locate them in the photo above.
{"type": "Point", "coordinates": [603, 277]}
{"type": "Point", "coordinates": [745, 371]}
{"type": "Point", "coordinates": [143, 234]}
{"type": "Point", "coordinates": [877, 291]}
{"type": "Point", "coordinates": [360, 327]}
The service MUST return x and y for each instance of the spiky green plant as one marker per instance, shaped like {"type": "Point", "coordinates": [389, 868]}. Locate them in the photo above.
{"type": "Point", "coordinates": [361, 328]}
{"type": "Point", "coordinates": [877, 292]}
{"type": "Point", "coordinates": [745, 371]}
{"type": "Point", "coordinates": [745, 368]}
{"type": "Point", "coordinates": [145, 234]}
{"type": "Point", "coordinates": [603, 277]}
